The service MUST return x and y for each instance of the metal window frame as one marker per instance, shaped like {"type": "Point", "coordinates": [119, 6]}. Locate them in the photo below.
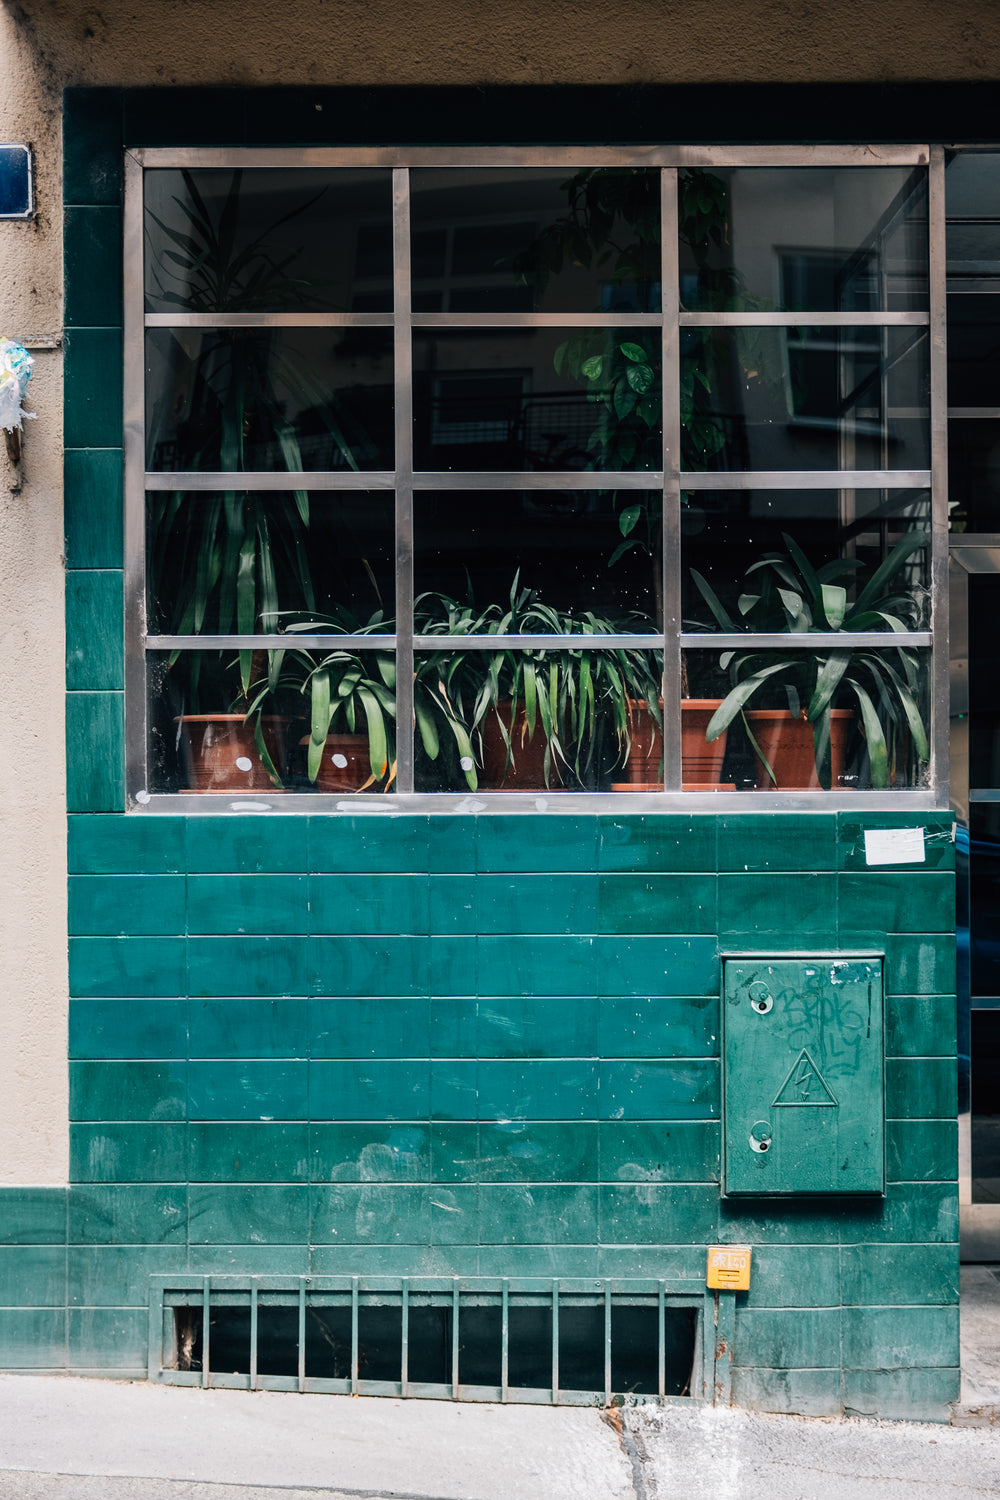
{"type": "Point", "coordinates": [405, 481]}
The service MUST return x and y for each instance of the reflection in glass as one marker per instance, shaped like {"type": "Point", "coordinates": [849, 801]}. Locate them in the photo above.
{"type": "Point", "coordinates": [535, 240]}
{"type": "Point", "coordinates": [974, 350]}
{"type": "Point", "coordinates": [244, 562]}
{"type": "Point", "coordinates": [269, 399]}
{"type": "Point", "coordinates": [537, 399]}
{"type": "Point", "coordinates": [804, 398]}
{"type": "Point", "coordinates": [986, 1103]}
{"type": "Point", "coordinates": [974, 474]}
{"type": "Point", "coordinates": [984, 678]}
{"type": "Point", "coordinates": [984, 892]}
{"type": "Point", "coordinates": [268, 240]}
{"type": "Point", "coordinates": [803, 239]}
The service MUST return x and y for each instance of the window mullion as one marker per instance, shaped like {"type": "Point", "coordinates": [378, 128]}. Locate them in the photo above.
{"type": "Point", "coordinates": [671, 561]}
{"type": "Point", "coordinates": [403, 412]}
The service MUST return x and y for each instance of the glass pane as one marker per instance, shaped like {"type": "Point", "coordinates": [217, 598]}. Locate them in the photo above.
{"type": "Point", "coordinates": [986, 1106]}
{"type": "Point", "coordinates": [537, 399]}
{"type": "Point", "coordinates": [561, 552]}
{"type": "Point", "coordinates": [508, 720]}
{"type": "Point", "coordinates": [973, 349]}
{"type": "Point", "coordinates": [804, 398]}
{"type": "Point", "coordinates": [984, 676]}
{"type": "Point", "coordinates": [269, 399]}
{"type": "Point", "coordinates": [726, 536]}
{"type": "Point", "coordinates": [803, 239]}
{"type": "Point", "coordinates": [313, 558]}
{"type": "Point", "coordinates": [984, 892]}
{"type": "Point", "coordinates": [535, 240]}
{"type": "Point", "coordinates": [972, 195]}
{"type": "Point", "coordinates": [974, 474]}
{"type": "Point", "coordinates": [205, 708]}
{"type": "Point", "coordinates": [268, 240]}
{"type": "Point", "coordinates": [879, 722]}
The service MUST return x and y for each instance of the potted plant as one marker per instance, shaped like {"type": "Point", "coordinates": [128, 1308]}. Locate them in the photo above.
{"type": "Point", "coordinates": [813, 694]}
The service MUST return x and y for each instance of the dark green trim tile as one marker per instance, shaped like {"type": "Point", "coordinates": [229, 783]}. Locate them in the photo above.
{"type": "Point", "coordinates": [914, 1274]}
{"type": "Point", "coordinates": [911, 1212]}
{"type": "Point", "coordinates": [536, 965]}
{"type": "Point", "coordinates": [784, 1276]}
{"type": "Point", "coordinates": [263, 1214]}
{"type": "Point", "coordinates": [454, 1152]}
{"type": "Point", "coordinates": [658, 966]}
{"type": "Point", "coordinates": [451, 844]}
{"type": "Point", "coordinates": [265, 966]}
{"type": "Point", "coordinates": [676, 1151]}
{"type": "Point", "coordinates": [539, 1214]}
{"type": "Point", "coordinates": [791, 911]}
{"type": "Point", "coordinates": [368, 965]}
{"type": "Point", "coordinates": [105, 966]}
{"type": "Point", "coordinates": [657, 1026]}
{"type": "Point", "coordinates": [128, 1215]}
{"type": "Point", "coordinates": [538, 1089]}
{"type": "Point", "coordinates": [33, 1338]}
{"type": "Point", "coordinates": [659, 1090]}
{"type": "Point", "coordinates": [118, 1275]}
{"type": "Point", "coordinates": [369, 1026]}
{"type": "Point", "coordinates": [657, 903]}
{"type": "Point", "coordinates": [453, 904]}
{"type": "Point", "coordinates": [224, 904]}
{"type": "Point", "coordinates": [249, 1260]}
{"type": "Point", "coordinates": [384, 1214]}
{"type": "Point", "coordinates": [254, 1152]}
{"type": "Point", "coordinates": [248, 1090]}
{"type": "Point", "coordinates": [101, 1091]}
{"type": "Point", "coordinates": [897, 902]}
{"type": "Point", "coordinates": [920, 965]}
{"type": "Point", "coordinates": [95, 631]}
{"type": "Point", "coordinates": [538, 1026]}
{"type": "Point", "coordinates": [901, 1395]}
{"type": "Point", "coordinates": [32, 1216]}
{"type": "Point", "coordinates": [369, 903]}
{"type": "Point", "coordinates": [371, 1153]}
{"type": "Point", "coordinates": [651, 841]}
{"type": "Point", "coordinates": [531, 842]}
{"type": "Point", "coordinates": [921, 1150]}
{"type": "Point", "coordinates": [93, 507]}
{"type": "Point", "coordinates": [778, 841]}
{"type": "Point", "coordinates": [108, 1338]}
{"type": "Point", "coordinates": [193, 116]}
{"type": "Point", "coordinates": [939, 847]}
{"type": "Point", "coordinates": [658, 1214]}
{"type": "Point", "coordinates": [804, 1393]}
{"type": "Point", "coordinates": [384, 1090]}
{"type": "Point", "coordinates": [92, 403]}
{"type": "Point", "coordinates": [125, 905]}
{"type": "Point", "coordinates": [376, 845]}
{"type": "Point", "coordinates": [537, 1151]}
{"type": "Point", "coordinates": [529, 903]}
{"type": "Point", "coordinates": [921, 1088]}
{"type": "Point", "coordinates": [92, 145]}
{"type": "Point", "coordinates": [900, 1338]}
{"type": "Point", "coordinates": [115, 1151]}
{"type": "Point", "coordinates": [237, 845]}
{"type": "Point", "coordinates": [249, 1026]}
{"type": "Point", "coordinates": [95, 751]}
{"type": "Point", "coordinates": [33, 1276]}
{"type": "Point", "coordinates": [920, 1025]}
{"type": "Point", "coordinates": [785, 1338]}
{"type": "Point", "coordinates": [92, 264]}
{"type": "Point", "coordinates": [127, 846]}
{"type": "Point", "coordinates": [127, 1028]}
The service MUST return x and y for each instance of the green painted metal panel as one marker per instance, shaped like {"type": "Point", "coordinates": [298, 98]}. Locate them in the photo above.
{"type": "Point", "coordinates": [804, 1108]}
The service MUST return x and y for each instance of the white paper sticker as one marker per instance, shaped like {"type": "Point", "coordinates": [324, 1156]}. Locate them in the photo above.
{"type": "Point", "coordinates": [244, 763]}
{"type": "Point", "coordinates": [340, 761]}
{"type": "Point", "coordinates": [894, 846]}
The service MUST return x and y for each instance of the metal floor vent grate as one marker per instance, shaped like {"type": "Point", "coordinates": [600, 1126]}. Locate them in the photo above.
{"type": "Point", "coordinates": [558, 1342]}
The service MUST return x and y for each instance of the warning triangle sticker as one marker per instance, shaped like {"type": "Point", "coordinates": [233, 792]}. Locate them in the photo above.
{"type": "Point", "coordinates": [804, 1084]}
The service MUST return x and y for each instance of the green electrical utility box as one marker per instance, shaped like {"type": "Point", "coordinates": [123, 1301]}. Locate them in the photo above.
{"type": "Point", "coordinates": [803, 1076]}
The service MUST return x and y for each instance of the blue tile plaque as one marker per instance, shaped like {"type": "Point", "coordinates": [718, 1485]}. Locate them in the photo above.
{"type": "Point", "coordinates": [16, 199]}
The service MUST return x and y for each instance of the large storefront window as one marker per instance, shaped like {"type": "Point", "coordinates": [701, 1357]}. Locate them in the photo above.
{"type": "Point", "coordinates": [541, 472]}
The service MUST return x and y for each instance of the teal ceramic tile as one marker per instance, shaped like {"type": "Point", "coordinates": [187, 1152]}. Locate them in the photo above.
{"type": "Point", "coordinates": [369, 903]}
{"type": "Point", "coordinates": [790, 911]}
{"type": "Point", "coordinates": [774, 841]}
{"type": "Point", "coordinates": [538, 1089]}
{"type": "Point", "coordinates": [32, 1216]}
{"type": "Point", "coordinates": [454, 1088]}
{"type": "Point", "coordinates": [658, 966]}
{"type": "Point", "coordinates": [451, 844]}
{"type": "Point", "coordinates": [139, 966]}
{"type": "Point", "coordinates": [125, 905]}
{"type": "Point", "coordinates": [127, 845]}
{"type": "Point", "coordinates": [395, 1260]}
{"type": "Point", "coordinates": [658, 1214]}
{"type": "Point", "coordinates": [538, 1151]}
{"type": "Point", "coordinates": [128, 1215]}
{"type": "Point", "coordinates": [33, 1276]}
{"type": "Point", "coordinates": [901, 1395]}
{"type": "Point", "coordinates": [536, 965]}
{"type": "Point", "coordinates": [657, 903]}
{"type": "Point", "coordinates": [654, 841]}
{"type": "Point", "coordinates": [92, 403]}
{"type": "Point", "coordinates": [229, 1151]}
{"type": "Point", "coordinates": [900, 1338]}
{"type": "Point", "coordinates": [920, 1088]}
{"type": "Point", "coordinates": [262, 1214]}
{"type": "Point", "coordinates": [658, 1151]}
{"type": "Point", "coordinates": [921, 1150]}
{"type": "Point", "coordinates": [369, 1026]}
{"type": "Point", "coordinates": [95, 625]}
{"type": "Point", "coordinates": [454, 1152]}
{"type": "Point", "coordinates": [225, 904]}
{"type": "Point", "coordinates": [92, 262]}
{"type": "Point", "coordinates": [539, 1214]}
{"type": "Point", "coordinates": [118, 1275]}
{"type": "Point", "coordinates": [897, 902]}
{"type": "Point", "coordinates": [250, 1026]}
{"type": "Point", "coordinates": [453, 904]}
{"type": "Point", "coordinates": [396, 1214]}
{"type": "Point", "coordinates": [538, 1026]}
{"type": "Point", "coordinates": [370, 1153]}
{"type": "Point", "coordinates": [926, 1274]}
{"type": "Point", "coordinates": [454, 1025]}
{"type": "Point", "coordinates": [93, 509]}
{"type": "Point", "coordinates": [804, 1221]}
{"type": "Point", "coordinates": [805, 1393]}
{"type": "Point", "coordinates": [920, 1025]}
{"type": "Point", "coordinates": [939, 846]}
{"type": "Point", "coordinates": [925, 1212]}
{"type": "Point", "coordinates": [236, 845]}
{"type": "Point", "coordinates": [368, 965]}
{"type": "Point", "coordinates": [33, 1338]}
{"type": "Point", "coordinates": [265, 966]}
{"type": "Point", "coordinates": [379, 844]}
{"type": "Point", "coordinates": [660, 1090]}
{"type": "Point", "coordinates": [531, 842]}
{"type": "Point", "coordinates": [787, 1276]}
{"type": "Point", "coordinates": [92, 145]}
{"type": "Point", "coordinates": [127, 1028]}
{"type": "Point", "coordinates": [127, 1090]}
{"type": "Point", "coordinates": [120, 1151]}
{"type": "Point", "coordinates": [249, 1260]}
{"type": "Point", "coordinates": [786, 1338]}
{"type": "Point", "coordinates": [386, 1089]}
{"type": "Point", "coordinates": [920, 965]}
{"type": "Point", "coordinates": [524, 903]}
{"type": "Point", "coordinates": [539, 1260]}
{"type": "Point", "coordinates": [670, 1262]}
{"type": "Point", "coordinates": [95, 743]}
{"type": "Point", "coordinates": [275, 1089]}
{"type": "Point", "coordinates": [655, 1026]}
{"type": "Point", "coordinates": [108, 1338]}
{"type": "Point", "coordinates": [453, 964]}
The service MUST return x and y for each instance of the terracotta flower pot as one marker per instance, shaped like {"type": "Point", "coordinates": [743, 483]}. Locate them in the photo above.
{"type": "Point", "coordinates": [787, 744]}
{"type": "Point", "coordinates": [346, 764]}
{"type": "Point", "coordinates": [701, 763]}
{"type": "Point", "coordinates": [525, 772]}
{"type": "Point", "coordinates": [220, 754]}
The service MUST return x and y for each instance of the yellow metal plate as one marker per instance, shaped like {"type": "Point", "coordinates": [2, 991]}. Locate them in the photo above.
{"type": "Point", "coordinates": [729, 1267]}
